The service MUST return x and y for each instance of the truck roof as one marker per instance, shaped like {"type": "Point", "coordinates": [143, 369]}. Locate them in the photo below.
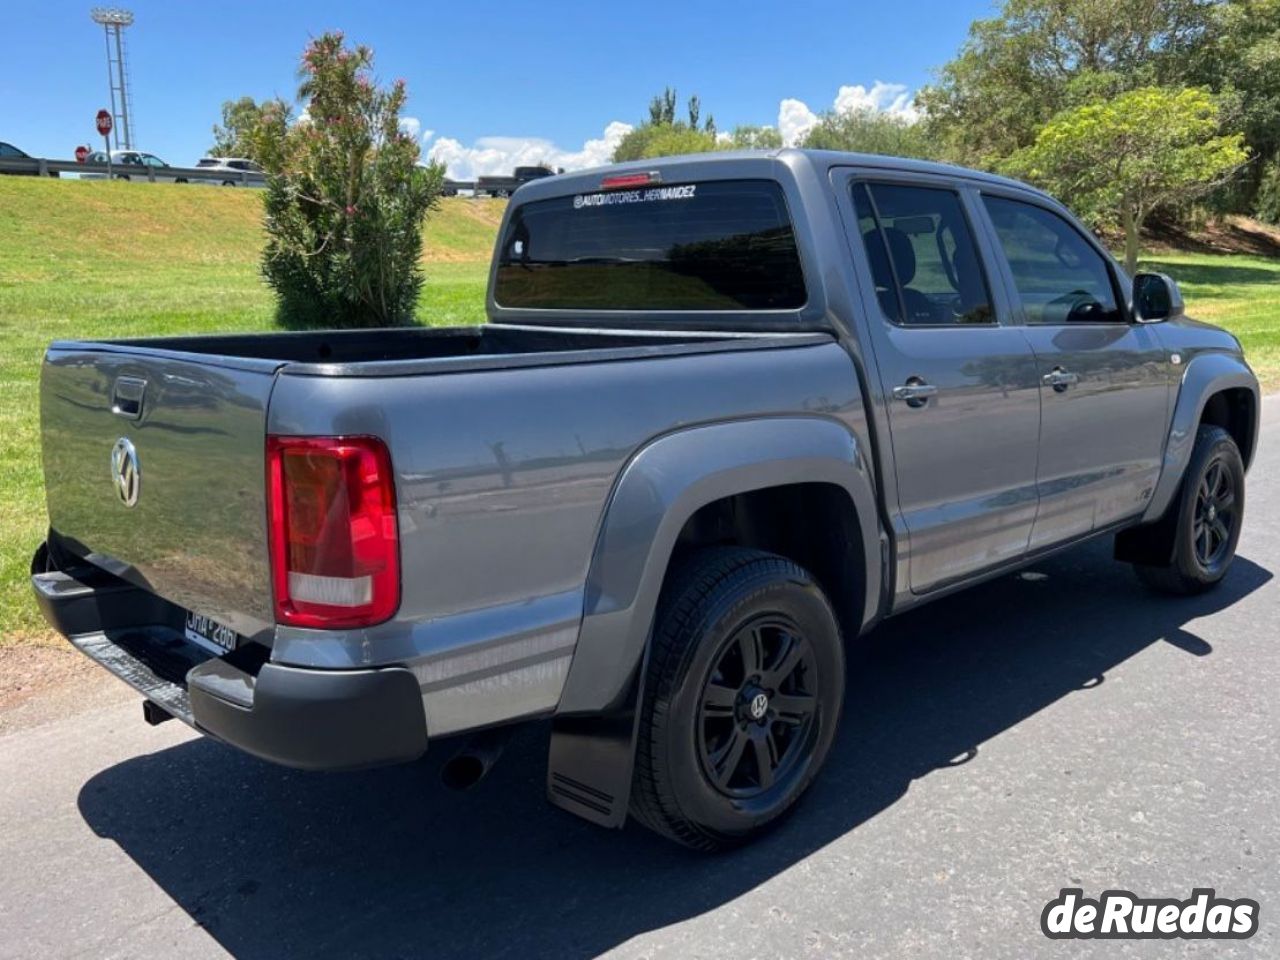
{"type": "Point", "coordinates": [703, 164]}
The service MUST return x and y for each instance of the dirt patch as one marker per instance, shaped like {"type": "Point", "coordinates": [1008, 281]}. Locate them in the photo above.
{"type": "Point", "coordinates": [40, 682]}
{"type": "Point", "coordinates": [1240, 235]}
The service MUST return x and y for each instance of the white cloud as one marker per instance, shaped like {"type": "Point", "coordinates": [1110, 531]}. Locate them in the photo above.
{"type": "Point", "coordinates": [410, 126]}
{"type": "Point", "coordinates": [795, 119]}
{"type": "Point", "coordinates": [427, 135]}
{"type": "Point", "coordinates": [490, 156]}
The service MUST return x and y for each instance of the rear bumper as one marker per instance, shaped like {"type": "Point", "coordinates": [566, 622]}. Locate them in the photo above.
{"type": "Point", "coordinates": [311, 719]}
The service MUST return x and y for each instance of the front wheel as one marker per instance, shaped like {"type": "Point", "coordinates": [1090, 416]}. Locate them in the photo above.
{"type": "Point", "coordinates": [1209, 513]}
{"type": "Point", "coordinates": [742, 698]}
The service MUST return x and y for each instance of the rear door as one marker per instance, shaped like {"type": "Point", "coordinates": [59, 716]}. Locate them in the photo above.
{"type": "Point", "coordinates": [1104, 380]}
{"type": "Point", "coordinates": [960, 384]}
{"type": "Point", "coordinates": [154, 467]}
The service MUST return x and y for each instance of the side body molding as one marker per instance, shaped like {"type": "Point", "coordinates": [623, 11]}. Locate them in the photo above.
{"type": "Point", "coordinates": [1205, 375]}
{"type": "Point", "coordinates": [659, 490]}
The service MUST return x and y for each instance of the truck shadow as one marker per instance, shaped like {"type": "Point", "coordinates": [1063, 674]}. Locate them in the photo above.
{"type": "Point", "coordinates": [388, 863]}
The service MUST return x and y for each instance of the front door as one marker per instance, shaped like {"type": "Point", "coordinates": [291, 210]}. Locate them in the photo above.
{"type": "Point", "coordinates": [1104, 380]}
{"type": "Point", "coordinates": [961, 386]}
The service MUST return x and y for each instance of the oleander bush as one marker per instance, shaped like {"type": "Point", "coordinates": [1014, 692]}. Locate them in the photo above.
{"type": "Point", "coordinates": [346, 196]}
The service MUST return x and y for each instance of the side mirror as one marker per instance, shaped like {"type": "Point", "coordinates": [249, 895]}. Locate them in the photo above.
{"type": "Point", "coordinates": [1155, 298]}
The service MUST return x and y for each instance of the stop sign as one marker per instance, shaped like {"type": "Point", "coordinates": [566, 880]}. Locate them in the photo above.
{"type": "Point", "coordinates": [82, 153]}
{"type": "Point", "coordinates": [104, 122]}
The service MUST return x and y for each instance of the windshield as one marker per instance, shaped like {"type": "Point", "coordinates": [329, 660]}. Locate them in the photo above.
{"type": "Point", "coordinates": [720, 245]}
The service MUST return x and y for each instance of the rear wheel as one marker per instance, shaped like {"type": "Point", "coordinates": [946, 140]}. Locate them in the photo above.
{"type": "Point", "coordinates": [742, 698]}
{"type": "Point", "coordinates": [1209, 512]}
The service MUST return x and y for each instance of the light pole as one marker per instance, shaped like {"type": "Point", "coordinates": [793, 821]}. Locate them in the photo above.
{"type": "Point", "coordinates": [113, 21]}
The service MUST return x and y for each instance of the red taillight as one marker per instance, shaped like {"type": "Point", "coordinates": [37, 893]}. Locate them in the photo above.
{"type": "Point", "coordinates": [335, 547]}
{"type": "Point", "coordinates": [619, 180]}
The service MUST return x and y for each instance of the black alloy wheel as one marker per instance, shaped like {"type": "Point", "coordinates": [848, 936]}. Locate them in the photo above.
{"type": "Point", "coordinates": [758, 704]}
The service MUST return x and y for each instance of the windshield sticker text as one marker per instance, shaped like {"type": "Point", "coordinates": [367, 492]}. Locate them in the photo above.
{"type": "Point", "coordinates": [652, 195]}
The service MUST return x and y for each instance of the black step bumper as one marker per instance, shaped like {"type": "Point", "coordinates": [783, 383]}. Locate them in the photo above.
{"type": "Point", "coordinates": [310, 719]}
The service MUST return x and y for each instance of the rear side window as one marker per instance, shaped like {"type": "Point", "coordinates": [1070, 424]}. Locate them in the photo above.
{"type": "Point", "coordinates": [923, 258]}
{"type": "Point", "coordinates": [718, 245]}
{"type": "Point", "coordinates": [1060, 277]}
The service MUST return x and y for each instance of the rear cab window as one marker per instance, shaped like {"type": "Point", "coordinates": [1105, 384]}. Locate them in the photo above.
{"type": "Point", "coordinates": [725, 245]}
{"type": "Point", "coordinates": [923, 257]}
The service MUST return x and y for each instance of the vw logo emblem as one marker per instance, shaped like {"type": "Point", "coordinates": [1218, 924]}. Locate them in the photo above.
{"type": "Point", "coordinates": [125, 474]}
{"type": "Point", "coordinates": [759, 706]}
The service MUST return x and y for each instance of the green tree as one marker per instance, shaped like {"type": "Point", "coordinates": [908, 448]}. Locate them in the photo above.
{"type": "Point", "coordinates": [1241, 62]}
{"type": "Point", "coordinates": [662, 108]}
{"type": "Point", "coordinates": [870, 131]}
{"type": "Point", "coordinates": [1038, 57]}
{"type": "Point", "coordinates": [750, 137]}
{"type": "Point", "coordinates": [346, 197]}
{"type": "Point", "coordinates": [666, 140]}
{"type": "Point", "coordinates": [1119, 160]}
{"type": "Point", "coordinates": [234, 137]}
{"type": "Point", "coordinates": [662, 135]}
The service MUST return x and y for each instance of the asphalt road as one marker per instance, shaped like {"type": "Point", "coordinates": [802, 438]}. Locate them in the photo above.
{"type": "Point", "coordinates": [1059, 728]}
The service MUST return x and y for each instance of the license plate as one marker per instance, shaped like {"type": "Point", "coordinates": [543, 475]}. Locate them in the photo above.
{"type": "Point", "coordinates": [209, 633]}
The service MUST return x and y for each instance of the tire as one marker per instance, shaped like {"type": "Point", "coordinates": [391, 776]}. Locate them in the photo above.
{"type": "Point", "coordinates": [737, 631]}
{"type": "Point", "coordinates": [1209, 513]}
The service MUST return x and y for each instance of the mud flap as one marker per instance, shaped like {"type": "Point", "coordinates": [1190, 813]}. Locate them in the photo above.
{"type": "Point", "coordinates": [1150, 544]}
{"type": "Point", "coordinates": [591, 759]}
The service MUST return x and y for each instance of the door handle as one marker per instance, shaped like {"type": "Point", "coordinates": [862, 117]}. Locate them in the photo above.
{"type": "Point", "coordinates": [915, 392]}
{"type": "Point", "coordinates": [126, 397]}
{"type": "Point", "coordinates": [1060, 379]}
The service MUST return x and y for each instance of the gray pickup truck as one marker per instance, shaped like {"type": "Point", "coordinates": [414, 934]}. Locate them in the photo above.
{"type": "Point", "coordinates": [728, 412]}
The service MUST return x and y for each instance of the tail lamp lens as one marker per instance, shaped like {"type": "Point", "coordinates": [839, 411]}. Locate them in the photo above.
{"type": "Point", "coordinates": [335, 547]}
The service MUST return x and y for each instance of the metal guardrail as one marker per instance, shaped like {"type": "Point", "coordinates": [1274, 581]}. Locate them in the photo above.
{"type": "Point", "coordinates": [39, 166]}
{"type": "Point", "coordinates": [135, 172]}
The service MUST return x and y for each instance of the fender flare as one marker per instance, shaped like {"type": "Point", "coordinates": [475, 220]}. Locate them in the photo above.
{"type": "Point", "coordinates": [1205, 375]}
{"type": "Point", "coordinates": [664, 484]}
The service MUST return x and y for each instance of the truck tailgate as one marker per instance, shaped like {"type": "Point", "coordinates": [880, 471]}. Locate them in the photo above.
{"type": "Point", "coordinates": [195, 532]}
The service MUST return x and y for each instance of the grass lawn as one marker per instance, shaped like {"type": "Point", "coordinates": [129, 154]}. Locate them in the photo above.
{"type": "Point", "coordinates": [101, 260]}
{"type": "Point", "coordinates": [1236, 292]}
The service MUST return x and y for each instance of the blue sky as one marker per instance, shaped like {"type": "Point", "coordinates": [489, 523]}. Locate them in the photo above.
{"type": "Point", "coordinates": [493, 83]}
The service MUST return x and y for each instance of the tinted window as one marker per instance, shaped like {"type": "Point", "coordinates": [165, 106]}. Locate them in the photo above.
{"type": "Point", "coordinates": [724, 245]}
{"type": "Point", "coordinates": [1060, 277]}
{"type": "Point", "coordinates": [9, 150]}
{"type": "Point", "coordinates": [923, 257]}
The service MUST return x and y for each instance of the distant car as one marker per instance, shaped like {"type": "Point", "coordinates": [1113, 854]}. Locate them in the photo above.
{"type": "Point", "coordinates": [130, 165]}
{"type": "Point", "coordinates": [229, 165]}
{"type": "Point", "coordinates": [9, 152]}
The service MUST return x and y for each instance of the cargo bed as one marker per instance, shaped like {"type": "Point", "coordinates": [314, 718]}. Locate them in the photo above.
{"type": "Point", "coordinates": [400, 351]}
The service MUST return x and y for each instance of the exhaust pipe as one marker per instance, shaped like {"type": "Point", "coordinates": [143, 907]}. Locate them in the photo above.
{"type": "Point", "coordinates": [475, 759]}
